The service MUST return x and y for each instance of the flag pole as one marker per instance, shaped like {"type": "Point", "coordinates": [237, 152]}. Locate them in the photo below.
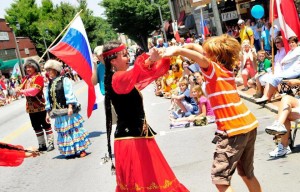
{"type": "Point", "coordinates": [273, 33]}
{"type": "Point", "coordinates": [60, 34]}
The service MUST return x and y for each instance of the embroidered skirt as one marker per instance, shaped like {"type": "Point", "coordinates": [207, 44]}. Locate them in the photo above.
{"type": "Point", "coordinates": [72, 137]}
{"type": "Point", "coordinates": [140, 166]}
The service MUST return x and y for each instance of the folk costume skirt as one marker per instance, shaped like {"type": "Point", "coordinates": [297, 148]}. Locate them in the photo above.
{"type": "Point", "coordinates": [72, 137]}
{"type": "Point", "coordinates": [140, 166]}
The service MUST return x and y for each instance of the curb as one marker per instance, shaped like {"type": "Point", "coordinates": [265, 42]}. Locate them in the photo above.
{"type": "Point", "coordinates": [269, 106]}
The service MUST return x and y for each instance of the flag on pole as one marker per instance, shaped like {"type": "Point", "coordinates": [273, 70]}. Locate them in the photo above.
{"type": "Point", "coordinates": [74, 49]}
{"type": "Point", "coordinates": [205, 30]}
{"type": "Point", "coordinates": [285, 15]}
{"type": "Point", "coordinates": [16, 70]}
{"type": "Point", "coordinates": [175, 31]}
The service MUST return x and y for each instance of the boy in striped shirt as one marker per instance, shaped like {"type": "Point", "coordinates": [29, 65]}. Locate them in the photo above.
{"type": "Point", "coordinates": [236, 125]}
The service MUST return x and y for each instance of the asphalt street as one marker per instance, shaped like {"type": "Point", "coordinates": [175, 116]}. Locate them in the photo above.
{"type": "Point", "coordinates": [188, 151]}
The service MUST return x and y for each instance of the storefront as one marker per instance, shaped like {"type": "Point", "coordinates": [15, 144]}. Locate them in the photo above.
{"type": "Point", "coordinates": [229, 10]}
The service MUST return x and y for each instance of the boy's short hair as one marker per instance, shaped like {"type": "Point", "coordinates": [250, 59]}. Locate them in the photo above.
{"type": "Point", "coordinates": [262, 52]}
{"type": "Point", "coordinates": [183, 81]}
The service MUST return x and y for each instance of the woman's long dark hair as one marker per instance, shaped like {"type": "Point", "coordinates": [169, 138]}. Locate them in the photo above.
{"type": "Point", "coordinates": [108, 90]}
{"type": "Point", "coordinates": [10, 147]}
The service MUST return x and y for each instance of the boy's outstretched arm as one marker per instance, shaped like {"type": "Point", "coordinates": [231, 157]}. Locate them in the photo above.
{"type": "Point", "coordinates": [194, 55]}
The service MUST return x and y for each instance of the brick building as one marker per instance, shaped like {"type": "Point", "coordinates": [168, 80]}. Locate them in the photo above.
{"type": "Point", "coordinates": [8, 50]}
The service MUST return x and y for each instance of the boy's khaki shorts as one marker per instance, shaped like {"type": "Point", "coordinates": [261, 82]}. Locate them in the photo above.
{"type": "Point", "coordinates": [231, 153]}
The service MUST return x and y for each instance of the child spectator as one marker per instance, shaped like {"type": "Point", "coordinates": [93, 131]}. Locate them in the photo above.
{"type": "Point", "coordinates": [158, 87]}
{"type": "Point", "coordinates": [167, 84]}
{"type": "Point", "coordinates": [248, 65]}
{"type": "Point", "coordinates": [184, 101]}
{"type": "Point", "coordinates": [205, 109]}
{"type": "Point", "coordinates": [263, 68]}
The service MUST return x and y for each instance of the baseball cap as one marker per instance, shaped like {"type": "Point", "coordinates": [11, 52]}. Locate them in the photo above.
{"type": "Point", "coordinates": [98, 50]}
{"type": "Point", "coordinates": [241, 21]}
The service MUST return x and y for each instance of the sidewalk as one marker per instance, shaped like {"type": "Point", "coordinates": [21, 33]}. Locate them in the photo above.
{"type": "Point", "coordinates": [248, 95]}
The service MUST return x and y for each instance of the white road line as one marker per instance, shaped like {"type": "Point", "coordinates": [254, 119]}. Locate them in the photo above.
{"type": "Point", "coordinates": [167, 101]}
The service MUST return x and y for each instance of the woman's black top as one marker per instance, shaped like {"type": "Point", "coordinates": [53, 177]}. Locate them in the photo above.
{"type": "Point", "coordinates": [131, 116]}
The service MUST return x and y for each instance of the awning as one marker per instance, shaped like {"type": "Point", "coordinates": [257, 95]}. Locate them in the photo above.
{"type": "Point", "coordinates": [196, 3]}
{"type": "Point", "coordinates": [9, 64]}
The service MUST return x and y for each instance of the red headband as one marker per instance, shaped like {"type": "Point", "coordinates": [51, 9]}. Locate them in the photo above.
{"type": "Point", "coordinates": [115, 50]}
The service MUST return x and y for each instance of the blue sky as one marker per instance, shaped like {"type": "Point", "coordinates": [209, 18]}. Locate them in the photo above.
{"type": "Point", "coordinates": [92, 5]}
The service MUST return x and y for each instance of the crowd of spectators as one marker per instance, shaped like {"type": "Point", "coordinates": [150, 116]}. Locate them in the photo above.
{"type": "Point", "coordinates": [258, 69]}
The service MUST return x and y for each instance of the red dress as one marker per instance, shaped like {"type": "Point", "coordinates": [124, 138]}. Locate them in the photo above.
{"type": "Point", "coordinates": [10, 157]}
{"type": "Point", "coordinates": [140, 165]}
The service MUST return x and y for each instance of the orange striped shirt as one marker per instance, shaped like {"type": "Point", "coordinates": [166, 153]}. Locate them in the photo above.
{"type": "Point", "coordinates": [232, 115]}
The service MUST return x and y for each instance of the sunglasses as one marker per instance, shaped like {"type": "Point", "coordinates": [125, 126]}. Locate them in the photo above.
{"type": "Point", "coordinates": [277, 42]}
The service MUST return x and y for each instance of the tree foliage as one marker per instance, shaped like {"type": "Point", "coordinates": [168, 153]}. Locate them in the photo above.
{"type": "Point", "coordinates": [136, 19]}
{"type": "Point", "coordinates": [48, 20]}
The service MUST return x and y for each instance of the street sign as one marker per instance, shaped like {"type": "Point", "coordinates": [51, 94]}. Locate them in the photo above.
{"type": "Point", "coordinates": [229, 15]}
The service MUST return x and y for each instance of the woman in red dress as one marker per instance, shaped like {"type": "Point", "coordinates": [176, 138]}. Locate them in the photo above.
{"type": "Point", "coordinates": [13, 155]}
{"type": "Point", "coordinates": [140, 165]}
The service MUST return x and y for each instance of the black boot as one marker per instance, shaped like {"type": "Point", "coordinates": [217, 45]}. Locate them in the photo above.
{"type": "Point", "coordinates": [42, 143]}
{"type": "Point", "coordinates": [42, 147]}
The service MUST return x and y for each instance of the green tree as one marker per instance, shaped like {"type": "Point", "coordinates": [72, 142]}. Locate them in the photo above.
{"type": "Point", "coordinates": [297, 3]}
{"type": "Point", "coordinates": [23, 12]}
{"type": "Point", "coordinates": [136, 19]}
{"type": "Point", "coordinates": [35, 21]}
{"type": "Point", "coordinates": [98, 29]}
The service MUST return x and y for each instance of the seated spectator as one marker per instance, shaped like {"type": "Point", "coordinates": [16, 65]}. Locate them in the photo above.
{"type": "Point", "coordinates": [290, 65]}
{"type": "Point", "coordinates": [289, 110]}
{"type": "Point", "coordinates": [192, 81]}
{"type": "Point", "coordinates": [248, 65]}
{"type": "Point", "coordinates": [186, 72]}
{"type": "Point", "coordinates": [184, 101]}
{"type": "Point", "coordinates": [280, 54]}
{"type": "Point", "coordinates": [205, 109]}
{"type": "Point", "coordinates": [2, 97]}
{"type": "Point", "coordinates": [167, 84]}
{"type": "Point", "coordinates": [158, 87]}
{"type": "Point", "coordinates": [160, 43]}
{"type": "Point", "coordinates": [200, 81]}
{"type": "Point", "coordinates": [263, 68]}
{"type": "Point", "coordinates": [3, 85]}
{"type": "Point", "coordinates": [176, 72]}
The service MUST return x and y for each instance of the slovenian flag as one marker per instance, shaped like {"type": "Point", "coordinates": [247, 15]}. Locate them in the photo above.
{"type": "Point", "coordinates": [74, 49]}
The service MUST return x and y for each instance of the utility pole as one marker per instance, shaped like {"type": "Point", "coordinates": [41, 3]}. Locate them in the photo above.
{"type": "Point", "coordinates": [18, 50]}
{"type": "Point", "coordinates": [161, 19]}
{"type": "Point", "coordinates": [217, 17]}
{"type": "Point", "coordinates": [171, 10]}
